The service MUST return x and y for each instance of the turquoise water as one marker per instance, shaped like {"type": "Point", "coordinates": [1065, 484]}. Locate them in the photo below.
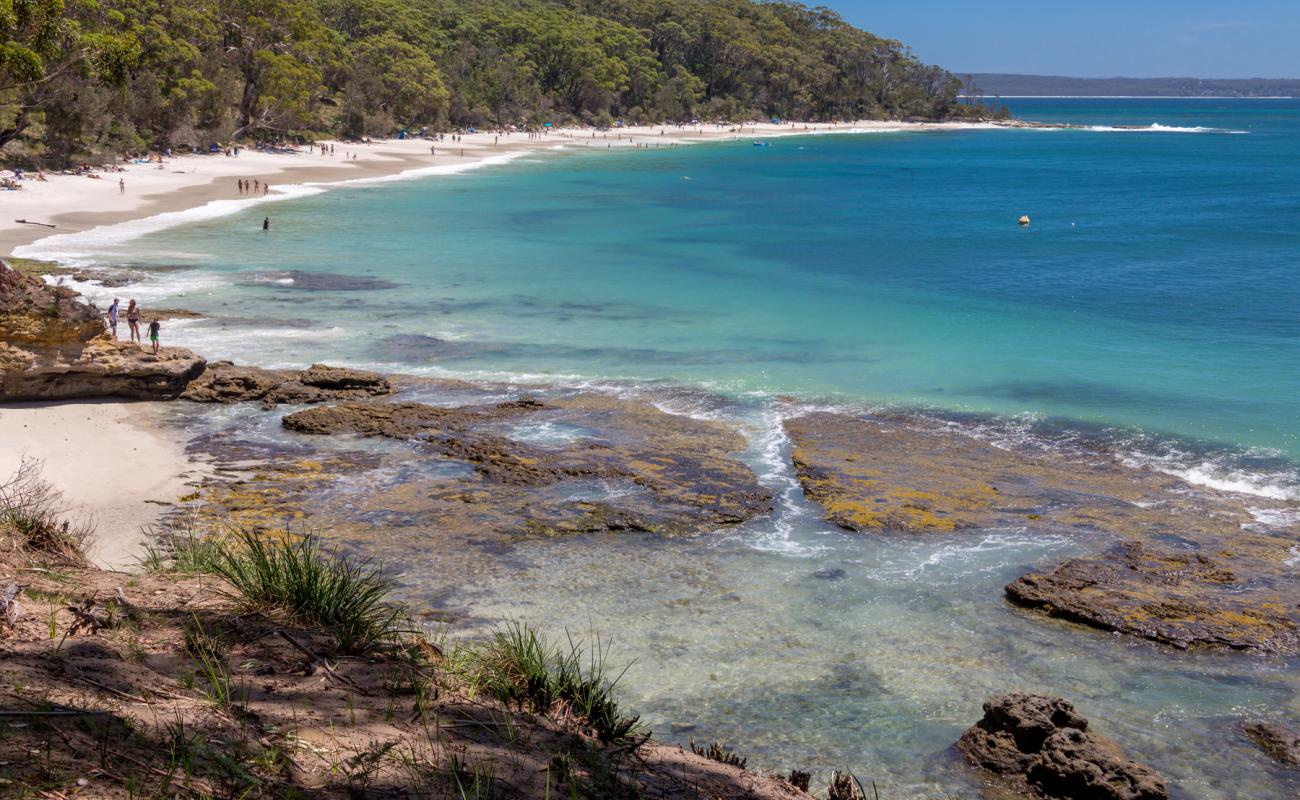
{"type": "Point", "coordinates": [1151, 305]}
{"type": "Point", "coordinates": [1157, 286]}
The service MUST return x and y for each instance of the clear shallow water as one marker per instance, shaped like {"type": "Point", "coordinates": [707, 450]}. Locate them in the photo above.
{"type": "Point", "coordinates": [1156, 288]}
{"type": "Point", "coordinates": [803, 645]}
{"type": "Point", "coordinates": [1151, 305]}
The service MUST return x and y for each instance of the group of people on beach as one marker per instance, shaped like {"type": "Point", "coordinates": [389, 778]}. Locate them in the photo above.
{"type": "Point", "coordinates": [254, 186]}
{"type": "Point", "coordinates": [133, 323]}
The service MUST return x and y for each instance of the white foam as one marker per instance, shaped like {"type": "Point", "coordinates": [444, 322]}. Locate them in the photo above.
{"type": "Point", "coordinates": [202, 331]}
{"type": "Point", "coordinates": [153, 288]}
{"type": "Point", "coordinates": [957, 559]}
{"type": "Point", "coordinates": [1156, 127]}
{"type": "Point", "coordinates": [1275, 517]}
{"type": "Point", "coordinates": [80, 248]}
{"type": "Point", "coordinates": [1214, 476]}
{"type": "Point", "coordinates": [547, 434]}
{"type": "Point", "coordinates": [1294, 561]}
{"type": "Point", "coordinates": [425, 172]}
{"type": "Point", "coordinates": [772, 445]}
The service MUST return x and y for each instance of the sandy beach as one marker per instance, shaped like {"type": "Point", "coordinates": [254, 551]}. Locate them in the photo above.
{"type": "Point", "coordinates": [75, 203]}
{"type": "Point", "coordinates": [115, 467]}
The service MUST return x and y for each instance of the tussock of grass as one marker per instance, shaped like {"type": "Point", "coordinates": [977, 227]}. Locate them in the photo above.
{"type": "Point", "coordinates": [31, 516]}
{"type": "Point", "coordinates": [519, 666]}
{"type": "Point", "coordinates": [846, 786]}
{"type": "Point", "coordinates": [210, 654]}
{"type": "Point", "coordinates": [345, 596]}
{"type": "Point", "coordinates": [719, 753]}
{"type": "Point", "coordinates": [181, 550]}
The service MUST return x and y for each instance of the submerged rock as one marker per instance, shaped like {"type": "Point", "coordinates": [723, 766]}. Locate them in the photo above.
{"type": "Point", "coordinates": [309, 281]}
{"type": "Point", "coordinates": [1042, 746]}
{"type": "Point", "coordinates": [227, 382]}
{"type": "Point", "coordinates": [831, 574]}
{"type": "Point", "coordinates": [641, 469]}
{"type": "Point", "coordinates": [1280, 743]}
{"type": "Point", "coordinates": [1185, 599]}
{"type": "Point", "coordinates": [54, 347]}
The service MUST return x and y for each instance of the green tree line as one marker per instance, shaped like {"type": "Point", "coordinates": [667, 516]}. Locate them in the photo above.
{"type": "Point", "coordinates": [81, 78]}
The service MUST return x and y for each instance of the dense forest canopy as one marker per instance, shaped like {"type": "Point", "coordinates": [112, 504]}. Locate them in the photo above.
{"type": "Point", "coordinates": [80, 78]}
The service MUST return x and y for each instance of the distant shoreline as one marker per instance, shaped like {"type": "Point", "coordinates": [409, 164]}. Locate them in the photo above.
{"type": "Point", "coordinates": [1135, 97]}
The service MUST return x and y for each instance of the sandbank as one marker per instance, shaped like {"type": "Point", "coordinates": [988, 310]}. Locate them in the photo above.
{"type": "Point", "coordinates": [114, 463]}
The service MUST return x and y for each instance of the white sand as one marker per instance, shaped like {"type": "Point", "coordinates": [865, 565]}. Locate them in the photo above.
{"type": "Point", "coordinates": [110, 459]}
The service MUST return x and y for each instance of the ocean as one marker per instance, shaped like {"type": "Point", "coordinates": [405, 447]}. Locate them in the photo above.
{"type": "Point", "coordinates": [1150, 305]}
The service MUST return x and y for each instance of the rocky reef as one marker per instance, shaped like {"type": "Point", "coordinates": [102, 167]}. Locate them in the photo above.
{"type": "Point", "coordinates": [1182, 565]}
{"type": "Point", "coordinates": [1042, 747]}
{"type": "Point", "coordinates": [1280, 743]}
{"type": "Point", "coordinates": [226, 382]}
{"type": "Point", "coordinates": [1183, 598]}
{"type": "Point", "coordinates": [636, 467]}
{"type": "Point", "coordinates": [53, 347]}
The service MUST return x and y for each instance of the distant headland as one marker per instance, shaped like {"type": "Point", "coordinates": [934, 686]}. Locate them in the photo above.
{"type": "Point", "coordinates": [994, 84]}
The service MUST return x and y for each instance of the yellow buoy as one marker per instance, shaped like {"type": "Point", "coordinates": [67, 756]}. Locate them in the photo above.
{"type": "Point", "coordinates": [1024, 220]}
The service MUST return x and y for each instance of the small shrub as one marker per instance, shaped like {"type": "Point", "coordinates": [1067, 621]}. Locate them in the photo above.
{"type": "Point", "coordinates": [472, 781]}
{"type": "Point", "coordinates": [31, 514]}
{"type": "Point", "coordinates": [800, 780]}
{"type": "Point", "coordinates": [210, 653]}
{"type": "Point", "coordinates": [514, 667]}
{"type": "Point", "coordinates": [183, 551]}
{"type": "Point", "coordinates": [344, 595]}
{"type": "Point", "coordinates": [845, 786]}
{"type": "Point", "coordinates": [718, 753]}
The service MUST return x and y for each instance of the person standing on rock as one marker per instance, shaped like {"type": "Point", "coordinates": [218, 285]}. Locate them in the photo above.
{"type": "Point", "coordinates": [133, 320]}
{"type": "Point", "coordinates": [154, 328]}
{"type": "Point", "coordinates": [112, 318]}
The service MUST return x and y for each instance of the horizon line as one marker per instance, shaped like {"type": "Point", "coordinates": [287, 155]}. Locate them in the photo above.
{"type": "Point", "coordinates": [1121, 77]}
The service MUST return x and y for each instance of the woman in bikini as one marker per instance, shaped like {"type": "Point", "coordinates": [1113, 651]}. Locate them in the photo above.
{"type": "Point", "coordinates": [133, 320]}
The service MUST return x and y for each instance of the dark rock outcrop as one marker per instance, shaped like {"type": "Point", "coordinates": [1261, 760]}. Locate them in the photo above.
{"type": "Point", "coordinates": [1280, 743]}
{"type": "Point", "coordinates": [226, 382]}
{"type": "Point", "coordinates": [1184, 599]}
{"type": "Point", "coordinates": [1042, 746]}
{"type": "Point", "coordinates": [53, 347]}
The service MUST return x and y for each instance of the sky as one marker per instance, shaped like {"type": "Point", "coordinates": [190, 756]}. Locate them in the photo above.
{"type": "Point", "coordinates": [1092, 39]}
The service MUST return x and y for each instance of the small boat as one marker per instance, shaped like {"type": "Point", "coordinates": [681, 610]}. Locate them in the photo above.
{"type": "Point", "coordinates": [760, 144]}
